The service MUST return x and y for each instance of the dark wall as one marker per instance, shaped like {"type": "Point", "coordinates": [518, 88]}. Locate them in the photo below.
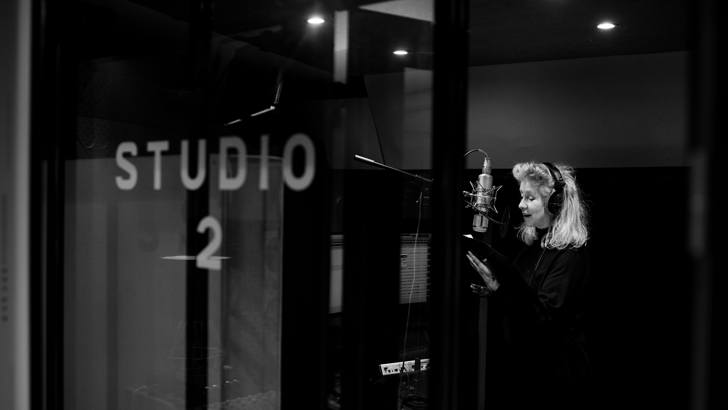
{"type": "Point", "coordinates": [616, 111]}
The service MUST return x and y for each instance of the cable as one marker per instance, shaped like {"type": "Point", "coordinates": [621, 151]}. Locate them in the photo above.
{"type": "Point", "coordinates": [409, 298]}
{"type": "Point", "coordinates": [487, 157]}
{"type": "Point", "coordinates": [376, 131]}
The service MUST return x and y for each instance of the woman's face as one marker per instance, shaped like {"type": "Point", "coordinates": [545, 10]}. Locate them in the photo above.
{"type": "Point", "coordinates": [532, 206]}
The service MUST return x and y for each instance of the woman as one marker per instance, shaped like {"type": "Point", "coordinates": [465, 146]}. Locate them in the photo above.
{"type": "Point", "coordinates": [541, 293]}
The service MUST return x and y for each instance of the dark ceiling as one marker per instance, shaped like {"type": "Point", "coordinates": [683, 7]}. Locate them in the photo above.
{"type": "Point", "coordinates": [533, 30]}
{"type": "Point", "coordinates": [251, 47]}
{"type": "Point", "coordinates": [505, 31]}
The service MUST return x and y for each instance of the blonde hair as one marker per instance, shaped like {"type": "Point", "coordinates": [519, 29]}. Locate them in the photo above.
{"type": "Point", "coordinates": [569, 227]}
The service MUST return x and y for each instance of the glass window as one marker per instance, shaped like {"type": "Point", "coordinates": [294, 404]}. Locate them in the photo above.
{"type": "Point", "coordinates": [601, 86]}
{"type": "Point", "coordinates": [246, 204]}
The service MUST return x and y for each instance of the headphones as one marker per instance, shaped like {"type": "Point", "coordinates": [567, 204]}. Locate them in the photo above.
{"type": "Point", "coordinates": [556, 200]}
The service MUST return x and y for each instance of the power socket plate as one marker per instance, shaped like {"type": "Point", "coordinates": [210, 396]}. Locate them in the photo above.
{"type": "Point", "coordinates": [407, 366]}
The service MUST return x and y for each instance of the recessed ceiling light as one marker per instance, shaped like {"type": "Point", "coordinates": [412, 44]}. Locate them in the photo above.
{"type": "Point", "coordinates": [400, 52]}
{"type": "Point", "coordinates": [606, 25]}
{"type": "Point", "coordinates": [316, 20]}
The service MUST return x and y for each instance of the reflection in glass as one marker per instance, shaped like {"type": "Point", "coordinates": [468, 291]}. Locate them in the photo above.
{"type": "Point", "coordinates": [210, 220]}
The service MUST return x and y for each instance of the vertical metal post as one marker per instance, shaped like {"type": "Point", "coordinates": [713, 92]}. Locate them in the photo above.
{"type": "Point", "coordinates": [449, 124]}
{"type": "Point", "coordinates": [53, 122]}
{"type": "Point", "coordinates": [15, 46]}
{"type": "Point", "coordinates": [196, 316]}
{"type": "Point", "coordinates": [707, 226]}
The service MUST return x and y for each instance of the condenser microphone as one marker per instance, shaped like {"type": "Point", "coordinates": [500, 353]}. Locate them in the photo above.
{"type": "Point", "coordinates": [483, 187]}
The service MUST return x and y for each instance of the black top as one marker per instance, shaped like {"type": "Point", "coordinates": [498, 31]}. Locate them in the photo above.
{"type": "Point", "coordinates": [540, 309]}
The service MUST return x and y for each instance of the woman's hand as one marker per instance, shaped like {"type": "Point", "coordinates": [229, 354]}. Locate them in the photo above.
{"type": "Point", "coordinates": [491, 283]}
{"type": "Point", "coordinates": [480, 290]}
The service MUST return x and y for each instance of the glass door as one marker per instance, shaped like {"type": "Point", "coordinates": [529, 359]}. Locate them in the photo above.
{"type": "Point", "coordinates": [245, 195]}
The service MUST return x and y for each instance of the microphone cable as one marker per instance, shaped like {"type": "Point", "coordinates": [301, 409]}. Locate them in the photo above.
{"type": "Point", "coordinates": [409, 304]}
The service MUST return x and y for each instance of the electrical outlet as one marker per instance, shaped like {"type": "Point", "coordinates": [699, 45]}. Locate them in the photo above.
{"type": "Point", "coordinates": [407, 366]}
{"type": "Point", "coordinates": [424, 364]}
{"type": "Point", "coordinates": [397, 367]}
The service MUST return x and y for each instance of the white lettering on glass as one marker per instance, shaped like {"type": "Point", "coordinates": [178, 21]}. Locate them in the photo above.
{"type": "Point", "coordinates": [228, 179]}
{"type": "Point", "coordinates": [129, 182]}
{"type": "Point", "coordinates": [263, 180]}
{"type": "Point", "coordinates": [205, 259]}
{"type": "Point", "coordinates": [302, 182]}
{"type": "Point", "coordinates": [196, 182]}
{"type": "Point", "coordinates": [157, 147]}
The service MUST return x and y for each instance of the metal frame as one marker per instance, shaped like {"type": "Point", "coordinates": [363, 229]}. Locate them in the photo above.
{"type": "Point", "coordinates": [52, 118]}
{"type": "Point", "coordinates": [449, 382]}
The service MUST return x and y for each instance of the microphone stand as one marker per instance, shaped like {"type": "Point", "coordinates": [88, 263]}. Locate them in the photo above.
{"type": "Point", "coordinates": [270, 108]}
{"type": "Point", "coordinates": [379, 164]}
